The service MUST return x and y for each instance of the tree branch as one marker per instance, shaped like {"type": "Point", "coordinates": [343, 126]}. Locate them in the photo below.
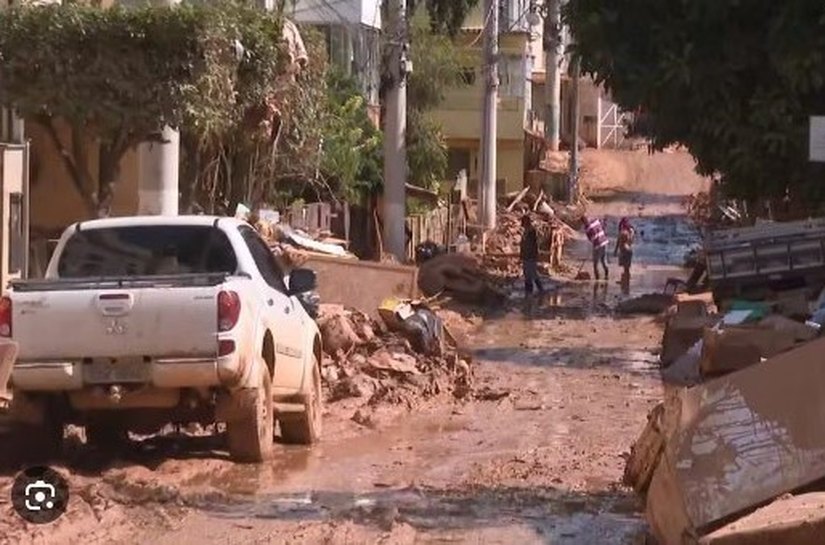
{"type": "Point", "coordinates": [47, 123]}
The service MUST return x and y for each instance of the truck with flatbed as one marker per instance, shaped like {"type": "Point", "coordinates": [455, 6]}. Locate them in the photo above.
{"type": "Point", "coordinates": [747, 261]}
{"type": "Point", "coordinates": [142, 322]}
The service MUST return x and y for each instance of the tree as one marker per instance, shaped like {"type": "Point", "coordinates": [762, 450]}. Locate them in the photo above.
{"type": "Point", "coordinates": [352, 152]}
{"type": "Point", "coordinates": [271, 149]}
{"type": "Point", "coordinates": [733, 81]}
{"type": "Point", "coordinates": [114, 77]}
{"type": "Point", "coordinates": [445, 16]}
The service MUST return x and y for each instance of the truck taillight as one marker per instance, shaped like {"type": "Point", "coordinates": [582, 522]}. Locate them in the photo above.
{"type": "Point", "coordinates": [5, 317]}
{"type": "Point", "coordinates": [229, 310]}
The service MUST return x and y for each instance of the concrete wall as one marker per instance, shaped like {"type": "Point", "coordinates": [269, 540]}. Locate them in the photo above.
{"type": "Point", "coordinates": [55, 203]}
{"type": "Point", "coordinates": [510, 161]}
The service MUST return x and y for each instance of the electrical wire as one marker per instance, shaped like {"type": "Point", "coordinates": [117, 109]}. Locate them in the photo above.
{"type": "Point", "coordinates": [493, 5]}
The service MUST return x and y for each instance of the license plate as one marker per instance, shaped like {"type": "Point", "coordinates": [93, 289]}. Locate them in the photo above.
{"type": "Point", "coordinates": [118, 371]}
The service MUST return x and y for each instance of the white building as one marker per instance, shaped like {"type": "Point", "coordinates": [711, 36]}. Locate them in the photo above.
{"type": "Point", "coordinates": [352, 29]}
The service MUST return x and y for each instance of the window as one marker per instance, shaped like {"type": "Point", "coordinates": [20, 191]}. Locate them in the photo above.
{"type": "Point", "coordinates": [512, 76]}
{"type": "Point", "coordinates": [263, 258]}
{"type": "Point", "coordinates": [146, 250]}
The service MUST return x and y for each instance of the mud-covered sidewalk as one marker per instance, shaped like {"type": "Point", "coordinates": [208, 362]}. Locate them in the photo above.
{"type": "Point", "coordinates": [562, 386]}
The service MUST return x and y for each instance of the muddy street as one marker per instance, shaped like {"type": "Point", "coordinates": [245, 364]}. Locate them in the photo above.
{"type": "Point", "coordinates": [562, 386]}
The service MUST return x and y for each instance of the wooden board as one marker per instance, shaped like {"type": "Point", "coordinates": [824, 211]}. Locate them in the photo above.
{"type": "Point", "coordinates": [794, 520]}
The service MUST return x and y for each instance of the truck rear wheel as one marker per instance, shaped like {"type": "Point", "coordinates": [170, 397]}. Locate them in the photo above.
{"type": "Point", "coordinates": [251, 435]}
{"type": "Point", "coordinates": [304, 428]}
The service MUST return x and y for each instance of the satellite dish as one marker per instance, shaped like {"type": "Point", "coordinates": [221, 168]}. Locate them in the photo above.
{"type": "Point", "coordinates": [533, 18]}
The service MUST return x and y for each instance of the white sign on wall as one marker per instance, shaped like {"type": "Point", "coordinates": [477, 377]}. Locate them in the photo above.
{"type": "Point", "coordinates": [816, 139]}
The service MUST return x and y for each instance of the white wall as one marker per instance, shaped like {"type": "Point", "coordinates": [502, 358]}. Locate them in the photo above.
{"type": "Point", "coordinates": [365, 12]}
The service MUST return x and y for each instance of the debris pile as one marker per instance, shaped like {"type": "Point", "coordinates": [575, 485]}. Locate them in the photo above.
{"type": "Point", "coordinates": [699, 208]}
{"type": "Point", "coordinates": [739, 425]}
{"type": "Point", "coordinates": [503, 245]}
{"type": "Point", "coordinates": [293, 247]}
{"type": "Point", "coordinates": [366, 359]}
{"type": "Point", "coordinates": [461, 276]}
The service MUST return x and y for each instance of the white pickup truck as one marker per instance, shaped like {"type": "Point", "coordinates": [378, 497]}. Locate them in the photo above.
{"type": "Point", "coordinates": [145, 321]}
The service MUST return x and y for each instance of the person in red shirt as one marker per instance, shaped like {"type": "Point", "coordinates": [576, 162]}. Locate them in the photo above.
{"type": "Point", "coordinates": [597, 237]}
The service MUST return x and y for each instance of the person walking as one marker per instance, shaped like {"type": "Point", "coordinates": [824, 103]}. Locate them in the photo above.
{"type": "Point", "coordinates": [530, 256]}
{"type": "Point", "coordinates": [597, 237]}
{"type": "Point", "coordinates": [624, 246]}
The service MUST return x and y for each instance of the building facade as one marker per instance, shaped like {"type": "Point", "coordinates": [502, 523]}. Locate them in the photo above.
{"type": "Point", "coordinates": [352, 29]}
{"type": "Point", "coordinates": [460, 114]}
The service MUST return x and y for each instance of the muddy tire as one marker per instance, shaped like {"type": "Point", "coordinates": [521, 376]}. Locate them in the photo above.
{"type": "Point", "coordinates": [304, 428]}
{"type": "Point", "coordinates": [251, 435]}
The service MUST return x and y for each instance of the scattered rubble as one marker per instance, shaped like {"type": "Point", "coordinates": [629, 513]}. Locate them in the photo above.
{"type": "Point", "coordinates": [729, 437]}
{"type": "Point", "coordinates": [366, 360]}
{"type": "Point", "coordinates": [503, 245]}
{"type": "Point", "coordinates": [462, 276]}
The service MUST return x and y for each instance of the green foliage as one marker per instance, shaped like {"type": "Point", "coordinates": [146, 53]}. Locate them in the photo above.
{"type": "Point", "coordinates": [734, 81]}
{"type": "Point", "coordinates": [271, 151]}
{"type": "Point", "coordinates": [426, 150]}
{"type": "Point", "coordinates": [352, 158]}
{"type": "Point", "coordinates": [116, 76]}
{"type": "Point", "coordinates": [438, 65]}
{"type": "Point", "coordinates": [446, 16]}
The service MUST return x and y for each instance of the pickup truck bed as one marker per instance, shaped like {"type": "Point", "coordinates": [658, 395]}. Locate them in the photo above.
{"type": "Point", "coordinates": [772, 255]}
{"type": "Point", "coordinates": [145, 321]}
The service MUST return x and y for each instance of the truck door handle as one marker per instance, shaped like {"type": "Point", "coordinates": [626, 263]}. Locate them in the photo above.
{"type": "Point", "coordinates": [286, 310]}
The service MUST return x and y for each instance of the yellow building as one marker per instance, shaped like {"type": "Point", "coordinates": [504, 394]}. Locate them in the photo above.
{"type": "Point", "coordinates": [461, 113]}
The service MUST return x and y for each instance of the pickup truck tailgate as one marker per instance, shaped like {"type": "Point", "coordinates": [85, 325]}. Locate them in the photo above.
{"type": "Point", "coordinates": [98, 323]}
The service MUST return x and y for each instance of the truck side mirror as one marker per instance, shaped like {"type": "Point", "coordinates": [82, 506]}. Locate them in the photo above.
{"type": "Point", "coordinates": [302, 281]}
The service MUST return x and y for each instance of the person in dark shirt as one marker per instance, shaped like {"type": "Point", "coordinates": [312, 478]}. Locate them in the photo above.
{"type": "Point", "coordinates": [530, 256]}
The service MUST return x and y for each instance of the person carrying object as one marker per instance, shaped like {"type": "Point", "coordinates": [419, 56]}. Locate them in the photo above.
{"type": "Point", "coordinates": [597, 237]}
{"type": "Point", "coordinates": [530, 256]}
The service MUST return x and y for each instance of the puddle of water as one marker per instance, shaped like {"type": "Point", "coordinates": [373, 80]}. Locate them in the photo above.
{"type": "Point", "coordinates": [565, 519]}
{"type": "Point", "coordinates": [299, 467]}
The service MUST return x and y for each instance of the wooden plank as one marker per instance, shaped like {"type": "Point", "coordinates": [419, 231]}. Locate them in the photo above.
{"type": "Point", "coordinates": [795, 520]}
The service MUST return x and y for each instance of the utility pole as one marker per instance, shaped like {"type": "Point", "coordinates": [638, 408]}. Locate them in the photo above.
{"type": "Point", "coordinates": [573, 181]}
{"type": "Point", "coordinates": [551, 43]}
{"type": "Point", "coordinates": [395, 128]}
{"type": "Point", "coordinates": [159, 166]}
{"type": "Point", "coordinates": [489, 134]}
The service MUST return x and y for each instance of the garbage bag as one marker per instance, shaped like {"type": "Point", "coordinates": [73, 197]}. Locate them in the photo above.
{"type": "Point", "coordinates": [419, 325]}
{"type": "Point", "coordinates": [425, 331]}
{"type": "Point", "coordinates": [426, 251]}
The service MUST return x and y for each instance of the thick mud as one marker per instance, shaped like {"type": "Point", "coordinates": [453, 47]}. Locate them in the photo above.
{"type": "Point", "coordinates": [562, 388]}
